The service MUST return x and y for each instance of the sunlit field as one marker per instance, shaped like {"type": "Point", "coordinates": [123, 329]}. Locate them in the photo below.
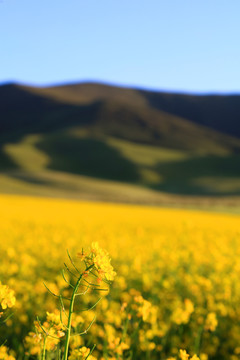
{"type": "Point", "coordinates": [177, 285]}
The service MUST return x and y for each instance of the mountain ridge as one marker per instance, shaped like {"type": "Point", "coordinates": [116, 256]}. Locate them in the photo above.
{"type": "Point", "coordinates": [42, 100]}
{"type": "Point", "coordinates": [170, 143]}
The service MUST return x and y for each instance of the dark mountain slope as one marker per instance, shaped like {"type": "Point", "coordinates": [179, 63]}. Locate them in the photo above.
{"type": "Point", "coordinates": [23, 112]}
{"type": "Point", "coordinates": [151, 126]}
{"type": "Point", "coordinates": [125, 113]}
{"type": "Point", "coordinates": [221, 113]}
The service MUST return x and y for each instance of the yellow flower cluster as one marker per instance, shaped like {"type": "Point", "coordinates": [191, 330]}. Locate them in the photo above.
{"type": "Point", "coordinates": [183, 312]}
{"type": "Point", "coordinates": [211, 322]}
{"type": "Point", "coordinates": [50, 332]}
{"type": "Point", "coordinates": [7, 298]}
{"type": "Point", "coordinates": [185, 356]}
{"type": "Point", "coordinates": [138, 306]}
{"type": "Point", "coordinates": [101, 261]}
{"type": "Point", "coordinates": [5, 354]}
{"type": "Point", "coordinates": [81, 354]}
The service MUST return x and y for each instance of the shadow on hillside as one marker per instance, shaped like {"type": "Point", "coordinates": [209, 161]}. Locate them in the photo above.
{"type": "Point", "coordinates": [207, 110]}
{"type": "Point", "coordinates": [29, 178]}
{"type": "Point", "coordinates": [179, 176]}
{"type": "Point", "coordinates": [87, 156]}
{"type": "Point", "coordinates": [6, 162]}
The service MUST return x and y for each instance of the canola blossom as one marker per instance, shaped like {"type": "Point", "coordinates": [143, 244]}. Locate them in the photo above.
{"type": "Point", "coordinates": [81, 354]}
{"type": "Point", "coordinates": [99, 259]}
{"type": "Point", "coordinates": [7, 298]}
{"type": "Point", "coordinates": [5, 354]}
{"type": "Point", "coordinates": [175, 294]}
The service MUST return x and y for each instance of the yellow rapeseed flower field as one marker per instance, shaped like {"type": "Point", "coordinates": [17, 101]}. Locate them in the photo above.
{"type": "Point", "coordinates": [176, 294]}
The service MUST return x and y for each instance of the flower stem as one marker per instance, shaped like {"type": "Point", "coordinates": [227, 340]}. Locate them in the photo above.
{"type": "Point", "coordinates": [44, 349]}
{"type": "Point", "coordinates": [69, 325]}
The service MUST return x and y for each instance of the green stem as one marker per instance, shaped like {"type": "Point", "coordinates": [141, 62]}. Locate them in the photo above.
{"type": "Point", "coordinates": [125, 329]}
{"type": "Point", "coordinates": [198, 341]}
{"type": "Point", "coordinates": [44, 349]}
{"type": "Point", "coordinates": [69, 325]}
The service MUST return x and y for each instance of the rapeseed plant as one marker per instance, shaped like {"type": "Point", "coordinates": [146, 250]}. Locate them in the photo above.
{"type": "Point", "coordinates": [94, 269]}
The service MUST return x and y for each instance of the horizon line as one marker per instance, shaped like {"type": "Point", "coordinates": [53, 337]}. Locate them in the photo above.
{"type": "Point", "coordinates": [122, 85]}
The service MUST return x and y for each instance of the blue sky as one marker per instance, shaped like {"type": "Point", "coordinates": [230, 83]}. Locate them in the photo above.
{"type": "Point", "coordinates": [178, 45]}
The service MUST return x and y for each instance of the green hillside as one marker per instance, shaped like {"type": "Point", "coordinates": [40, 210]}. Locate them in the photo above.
{"type": "Point", "coordinates": [109, 143]}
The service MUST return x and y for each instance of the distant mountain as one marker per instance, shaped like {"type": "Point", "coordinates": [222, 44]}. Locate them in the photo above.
{"type": "Point", "coordinates": [175, 143]}
{"type": "Point", "coordinates": [87, 100]}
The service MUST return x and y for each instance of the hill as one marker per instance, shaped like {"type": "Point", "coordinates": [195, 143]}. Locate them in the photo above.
{"type": "Point", "coordinates": [151, 143]}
